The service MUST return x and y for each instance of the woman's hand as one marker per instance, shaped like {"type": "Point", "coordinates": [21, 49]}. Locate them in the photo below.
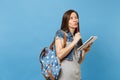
{"type": "Point", "coordinates": [84, 51]}
{"type": "Point", "coordinates": [77, 37]}
{"type": "Point", "coordinates": [87, 48]}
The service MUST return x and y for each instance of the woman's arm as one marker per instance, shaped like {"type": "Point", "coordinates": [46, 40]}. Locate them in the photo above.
{"type": "Point", "coordinates": [63, 52]}
{"type": "Point", "coordinates": [60, 51]}
{"type": "Point", "coordinates": [84, 51]}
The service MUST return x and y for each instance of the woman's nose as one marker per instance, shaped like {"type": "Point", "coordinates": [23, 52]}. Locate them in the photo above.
{"type": "Point", "coordinates": [75, 20]}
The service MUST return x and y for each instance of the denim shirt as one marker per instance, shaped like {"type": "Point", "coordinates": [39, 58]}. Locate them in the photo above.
{"type": "Point", "coordinates": [69, 39]}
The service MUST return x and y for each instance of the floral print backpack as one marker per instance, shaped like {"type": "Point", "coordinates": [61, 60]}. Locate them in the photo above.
{"type": "Point", "coordinates": [50, 64]}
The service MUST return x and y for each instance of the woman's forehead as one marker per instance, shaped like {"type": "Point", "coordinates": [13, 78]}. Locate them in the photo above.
{"type": "Point", "coordinates": [73, 14]}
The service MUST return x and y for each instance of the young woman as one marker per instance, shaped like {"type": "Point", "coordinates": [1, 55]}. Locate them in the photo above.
{"type": "Point", "coordinates": [69, 57]}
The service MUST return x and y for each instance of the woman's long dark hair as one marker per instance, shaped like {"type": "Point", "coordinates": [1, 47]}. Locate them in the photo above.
{"type": "Point", "coordinates": [65, 19]}
{"type": "Point", "coordinates": [64, 25]}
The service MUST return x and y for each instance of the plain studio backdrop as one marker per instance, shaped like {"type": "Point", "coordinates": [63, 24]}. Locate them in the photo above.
{"type": "Point", "coordinates": [26, 26]}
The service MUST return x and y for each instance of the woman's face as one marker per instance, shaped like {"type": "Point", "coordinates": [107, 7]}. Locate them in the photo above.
{"type": "Point", "coordinates": [73, 21]}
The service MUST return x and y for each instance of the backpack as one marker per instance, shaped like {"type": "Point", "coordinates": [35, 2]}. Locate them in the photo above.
{"type": "Point", "coordinates": [50, 63]}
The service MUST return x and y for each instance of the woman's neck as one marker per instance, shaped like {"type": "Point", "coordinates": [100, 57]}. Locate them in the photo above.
{"type": "Point", "coordinates": [72, 31]}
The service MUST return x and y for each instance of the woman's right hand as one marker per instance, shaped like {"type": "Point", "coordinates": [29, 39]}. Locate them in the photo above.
{"type": "Point", "coordinates": [77, 37]}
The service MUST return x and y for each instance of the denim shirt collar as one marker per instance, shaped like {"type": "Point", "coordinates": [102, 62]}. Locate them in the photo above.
{"type": "Point", "coordinates": [69, 34]}
{"type": "Point", "coordinates": [69, 37]}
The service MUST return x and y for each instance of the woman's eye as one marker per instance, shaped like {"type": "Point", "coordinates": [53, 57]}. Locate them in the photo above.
{"type": "Point", "coordinates": [73, 17]}
{"type": "Point", "coordinates": [76, 17]}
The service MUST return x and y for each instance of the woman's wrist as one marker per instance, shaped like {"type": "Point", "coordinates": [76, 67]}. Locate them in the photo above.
{"type": "Point", "coordinates": [74, 42]}
{"type": "Point", "coordinates": [84, 52]}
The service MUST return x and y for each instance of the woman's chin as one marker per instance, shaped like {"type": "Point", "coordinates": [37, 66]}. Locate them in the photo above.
{"type": "Point", "coordinates": [75, 26]}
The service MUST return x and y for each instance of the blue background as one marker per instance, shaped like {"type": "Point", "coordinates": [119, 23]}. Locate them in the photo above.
{"type": "Point", "coordinates": [26, 26]}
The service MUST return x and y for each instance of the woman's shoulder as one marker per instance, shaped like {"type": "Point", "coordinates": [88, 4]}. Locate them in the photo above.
{"type": "Point", "coordinates": [59, 33]}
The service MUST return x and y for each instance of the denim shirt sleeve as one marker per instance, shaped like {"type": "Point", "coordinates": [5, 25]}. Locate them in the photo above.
{"type": "Point", "coordinates": [59, 34]}
{"type": "Point", "coordinates": [80, 56]}
{"type": "Point", "coordinates": [80, 51]}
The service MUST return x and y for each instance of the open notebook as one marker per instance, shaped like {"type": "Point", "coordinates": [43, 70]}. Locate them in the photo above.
{"type": "Point", "coordinates": [88, 42]}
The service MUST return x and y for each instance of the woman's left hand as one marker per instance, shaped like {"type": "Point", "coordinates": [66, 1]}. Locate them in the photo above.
{"type": "Point", "coordinates": [87, 48]}
{"type": "Point", "coordinates": [84, 51]}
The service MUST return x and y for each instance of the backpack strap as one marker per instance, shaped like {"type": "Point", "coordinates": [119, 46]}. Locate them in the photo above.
{"type": "Point", "coordinates": [51, 46]}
